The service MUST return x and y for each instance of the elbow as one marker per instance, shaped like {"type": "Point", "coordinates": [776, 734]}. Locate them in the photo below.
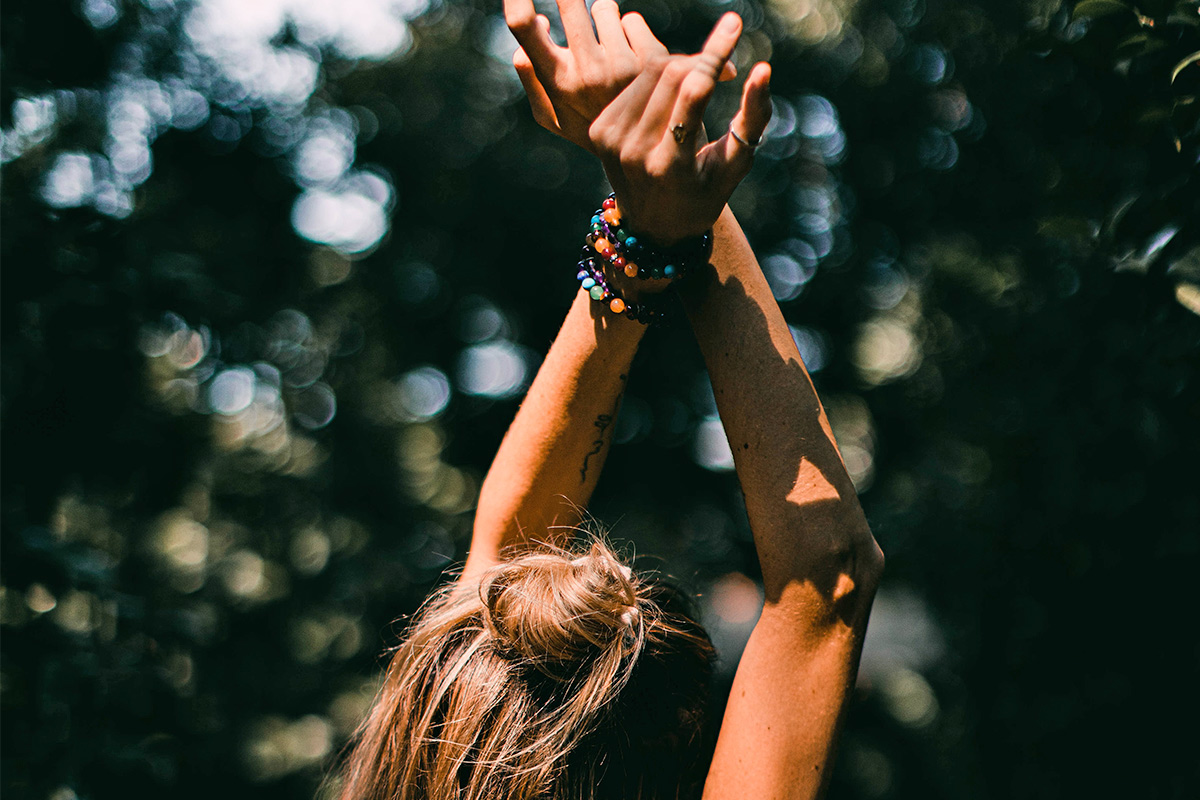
{"type": "Point", "coordinates": [841, 574]}
{"type": "Point", "coordinates": [869, 564]}
{"type": "Point", "coordinates": [854, 571]}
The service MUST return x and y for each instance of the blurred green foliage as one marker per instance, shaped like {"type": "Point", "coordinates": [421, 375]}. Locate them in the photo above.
{"type": "Point", "coordinates": [275, 274]}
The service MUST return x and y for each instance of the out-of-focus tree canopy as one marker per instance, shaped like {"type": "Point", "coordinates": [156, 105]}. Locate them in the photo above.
{"type": "Point", "coordinates": [276, 272]}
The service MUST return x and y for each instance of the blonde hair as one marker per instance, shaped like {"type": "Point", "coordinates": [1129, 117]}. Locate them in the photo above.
{"type": "Point", "coordinates": [555, 676]}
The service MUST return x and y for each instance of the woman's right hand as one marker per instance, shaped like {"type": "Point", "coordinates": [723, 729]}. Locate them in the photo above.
{"type": "Point", "coordinates": [670, 183]}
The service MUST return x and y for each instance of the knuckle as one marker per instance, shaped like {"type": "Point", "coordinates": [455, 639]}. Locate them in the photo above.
{"type": "Point", "coordinates": [630, 157]}
{"type": "Point", "coordinates": [657, 168]}
{"type": "Point", "coordinates": [658, 64]}
{"type": "Point", "coordinates": [624, 70]}
{"type": "Point", "coordinates": [711, 61]}
{"type": "Point", "coordinates": [694, 88]}
{"type": "Point", "coordinates": [677, 69]}
{"type": "Point", "coordinates": [587, 74]}
{"type": "Point", "coordinates": [600, 135]}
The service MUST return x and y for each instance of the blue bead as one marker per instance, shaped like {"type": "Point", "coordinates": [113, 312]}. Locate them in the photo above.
{"type": "Point", "coordinates": [587, 283]}
{"type": "Point", "coordinates": [595, 219]}
{"type": "Point", "coordinates": [669, 270]}
{"type": "Point", "coordinates": [581, 274]}
{"type": "Point", "coordinates": [631, 241]}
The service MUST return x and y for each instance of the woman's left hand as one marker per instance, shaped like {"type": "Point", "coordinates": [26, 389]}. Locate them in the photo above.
{"type": "Point", "coordinates": [670, 184]}
{"type": "Point", "coordinates": [569, 86]}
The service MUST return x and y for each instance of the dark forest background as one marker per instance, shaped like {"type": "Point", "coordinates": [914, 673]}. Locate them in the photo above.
{"type": "Point", "coordinates": [276, 272]}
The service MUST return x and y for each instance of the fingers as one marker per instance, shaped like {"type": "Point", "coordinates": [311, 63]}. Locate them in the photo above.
{"type": "Point", "coordinates": [617, 122]}
{"type": "Point", "coordinates": [719, 46]}
{"type": "Point", "coordinates": [727, 159]}
{"type": "Point", "coordinates": [577, 24]}
{"type": "Point", "coordinates": [659, 113]}
{"type": "Point", "coordinates": [609, 28]}
{"type": "Point", "coordinates": [533, 36]}
{"type": "Point", "coordinates": [644, 43]}
{"type": "Point", "coordinates": [697, 87]}
{"type": "Point", "coordinates": [750, 122]}
{"type": "Point", "coordinates": [539, 101]}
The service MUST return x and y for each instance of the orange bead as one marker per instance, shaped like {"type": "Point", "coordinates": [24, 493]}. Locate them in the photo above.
{"type": "Point", "coordinates": [617, 305]}
{"type": "Point", "coordinates": [603, 247]}
{"type": "Point", "coordinates": [611, 217]}
{"type": "Point", "coordinates": [631, 270]}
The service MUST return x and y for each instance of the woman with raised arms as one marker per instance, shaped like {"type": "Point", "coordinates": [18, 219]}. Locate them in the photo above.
{"type": "Point", "coordinates": [550, 669]}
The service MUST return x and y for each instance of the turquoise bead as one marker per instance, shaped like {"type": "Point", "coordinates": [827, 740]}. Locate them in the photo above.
{"type": "Point", "coordinates": [669, 270]}
{"type": "Point", "coordinates": [631, 241]}
{"type": "Point", "coordinates": [587, 282]}
{"type": "Point", "coordinates": [597, 292]}
{"type": "Point", "coordinates": [595, 219]}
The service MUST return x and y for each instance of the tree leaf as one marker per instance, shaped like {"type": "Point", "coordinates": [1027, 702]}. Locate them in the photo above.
{"type": "Point", "coordinates": [1192, 59]}
{"type": "Point", "coordinates": [1139, 44]}
{"type": "Point", "coordinates": [1093, 9]}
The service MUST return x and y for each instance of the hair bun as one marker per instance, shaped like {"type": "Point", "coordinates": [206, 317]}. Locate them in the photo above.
{"type": "Point", "coordinates": [559, 613]}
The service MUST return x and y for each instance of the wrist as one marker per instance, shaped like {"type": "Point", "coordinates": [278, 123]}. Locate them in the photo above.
{"type": "Point", "coordinates": [621, 271]}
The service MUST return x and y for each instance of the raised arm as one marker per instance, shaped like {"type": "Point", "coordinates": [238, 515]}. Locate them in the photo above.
{"type": "Point", "coordinates": [820, 563]}
{"type": "Point", "coordinates": [551, 456]}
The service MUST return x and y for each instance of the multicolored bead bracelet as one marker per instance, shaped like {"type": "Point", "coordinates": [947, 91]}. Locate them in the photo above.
{"type": "Point", "coordinates": [636, 259]}
{"type": "Point", "coordinates": [591, 278]}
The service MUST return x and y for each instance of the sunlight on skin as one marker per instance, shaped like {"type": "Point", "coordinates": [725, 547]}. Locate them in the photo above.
{"type": "Point", "coordinates": [811, 486]}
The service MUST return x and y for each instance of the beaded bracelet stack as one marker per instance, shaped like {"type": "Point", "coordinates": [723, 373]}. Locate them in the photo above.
{"type": "Point", "coordinates": [591, 277]}
{"type": "Point", "coordinates": [608, 243]}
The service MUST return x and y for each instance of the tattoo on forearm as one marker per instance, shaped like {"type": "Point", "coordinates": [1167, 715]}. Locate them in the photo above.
{"type": "Point", "coordinates": [601, 424]}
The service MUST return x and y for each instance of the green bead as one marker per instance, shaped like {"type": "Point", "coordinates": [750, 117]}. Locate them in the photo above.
{"type": "Point", "coordinates": [622, 235]}
{"type": "Point", "coordinates": [597, 292]}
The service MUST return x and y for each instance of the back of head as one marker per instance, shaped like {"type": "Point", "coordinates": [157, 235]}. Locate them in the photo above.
{"type": "Point", "coordinates": [556, 675]}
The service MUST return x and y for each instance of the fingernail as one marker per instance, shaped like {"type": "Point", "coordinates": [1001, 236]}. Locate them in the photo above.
{"type": "Point", "coordinates": [730, 23]}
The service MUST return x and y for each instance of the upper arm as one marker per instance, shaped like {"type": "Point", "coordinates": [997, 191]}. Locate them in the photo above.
{"type": "Point", "coordinates": [789, 693]}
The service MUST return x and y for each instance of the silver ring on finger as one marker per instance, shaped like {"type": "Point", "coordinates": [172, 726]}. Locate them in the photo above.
{"type": "Point", "coordinates": [752, 145]}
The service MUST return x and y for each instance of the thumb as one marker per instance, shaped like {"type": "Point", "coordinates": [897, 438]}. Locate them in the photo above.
{"type": "Point", "coordinates": [728, 158]}
{"type": "Point", "coordinates": [539, 100]}
{"type": "Point", "coordinates": [750, 122]}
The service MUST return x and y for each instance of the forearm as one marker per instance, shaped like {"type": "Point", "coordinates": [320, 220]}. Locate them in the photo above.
{"type": "Point", "coordinates": [801, 502]}
{"type": "Point", "coordinates": [551, 456]}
